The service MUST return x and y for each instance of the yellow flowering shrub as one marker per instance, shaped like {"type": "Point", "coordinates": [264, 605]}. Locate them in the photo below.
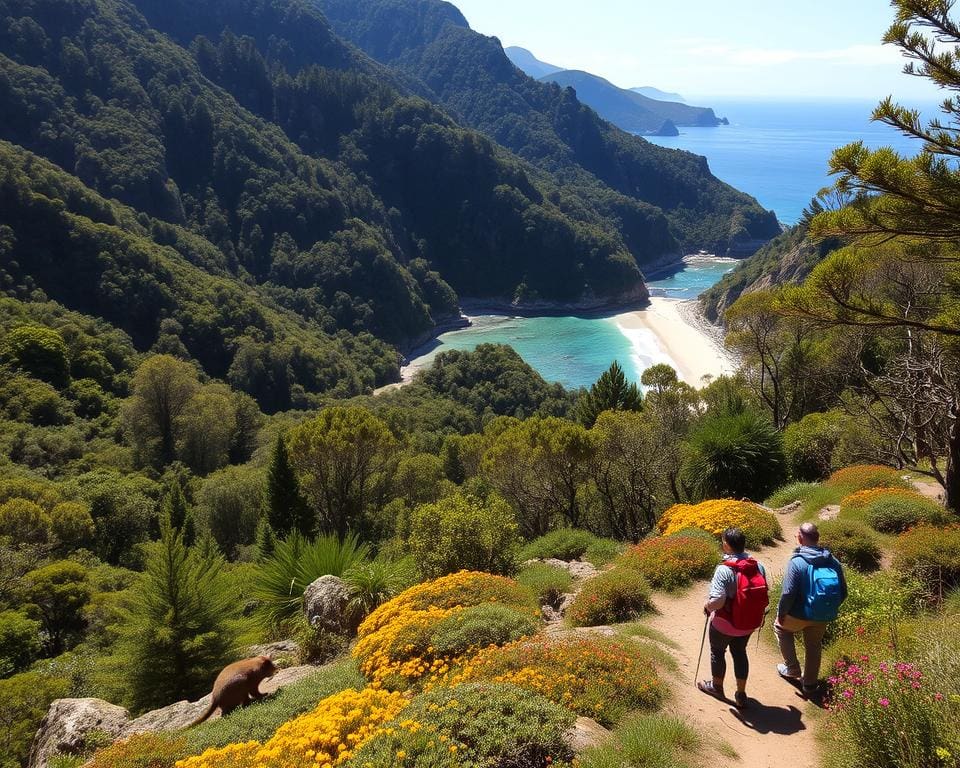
{"type": "Point", "coordinates": [597, 677]}
{"type": "Point", "coordinates": [759, 525]}
{"type": "Point", "coordinates": [394, 647]}
{"type": "Point", "coordinates": [325, 737]}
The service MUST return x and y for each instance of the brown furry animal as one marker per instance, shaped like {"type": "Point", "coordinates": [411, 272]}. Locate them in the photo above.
{"type": "Point", "coordinates": [238, 685]}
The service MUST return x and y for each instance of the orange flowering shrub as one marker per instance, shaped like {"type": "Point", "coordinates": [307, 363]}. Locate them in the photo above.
{"type": "Point", "coordinates": [862, 476]}
{"type": "Point", "coordinates": [394, 647]}
{"type": "Point", "coordinates": [759, 525]}
{"type": "Point", "coordinates": [932, 555]}
{"type": "Point", "coordinates": [597, 677]}
{"type": "Point", "coordinates": [668, 562]}
{"type": "Point", "coordinates": [323, 738]}
{"type": "Point", "coordinates": [860, 500]}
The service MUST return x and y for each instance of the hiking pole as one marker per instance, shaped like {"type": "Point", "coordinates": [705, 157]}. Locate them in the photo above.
{"type": "Point", "coordinates": [703, 641]}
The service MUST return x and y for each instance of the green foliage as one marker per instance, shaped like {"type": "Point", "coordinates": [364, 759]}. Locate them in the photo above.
{"type": "Point", "coordinates": [230, 504]}
{"type": "Point", "coordinates": [463, 533]}
{"type": "Point", "coordinates": [735, 456]}
{"type": "Point", "coordinates": [611, 392]}
{"type": "Point", "coordinates": [646, 741]}
{"type": "Point", "coordinates": [19, 642]}
{"type": "Point", "coordinates": [809, 444]}
{"type": "Point", "coordinates": [315, 645]}
{"type": "Point", "coordinates": [877, 603]}
{"type": "Point", "coordinates": [265, 541]}
{"type": "Point", "coordinates": [38, 351]}
{"type": "Point", "coordinates": [473, 724]}
{"type": "Point", "coordinates": [932, 555]}
{"type": "Point", "coordinates": [672, 561]}
{"type": "Point", "coordinates": [295, 564]}
{"type": "Point", "coordinates": [602, 551]}
{"type": "Point", "coordinates": [852, 541]}
{"type": "Point", "coordinates": [340, 457]}
{"type": "Point", "coordinates": [373, 582]}
{"type": "Point", "coordinates": [480, 626]}
{"type": "Point", "coordinates": [562, 544]}
{"type": "Point", "coordinates": [72, 525]}
{"type": "Point", "coordinates": [175, 510]}
{"type": "Point", "coordinates": [286, 509]}
{"type": "Point", "coordinates": [618, 595]}
{"type": "Point", "coordinates": [24, 522]}
{"type": "Point", "coordinates": [24, 700]}
{"type": "Point", "coordinates": [57, 594]}
{"type": "Point", "coordinates": [546, 582]}
{"type": "Point", "coordinates": [178, 635]}
{"type": "Point", "coordinates": [790, 493]}
{"type": "Point", "coordinates": [896, 514]}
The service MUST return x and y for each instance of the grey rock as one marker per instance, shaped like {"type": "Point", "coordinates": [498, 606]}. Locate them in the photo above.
{"type": "Point", "coordinates": [585, 733]}
{"type": "Point", "coordinates": [579, 569]}
{"type": "Point", "coordinates": [67, 724]}
{"type": "Point", "coordinates": [324, 602]}
{"type": "Point", "coordinates": [275, 650]}
{"type": "Point", "coordinates": [173, 717]}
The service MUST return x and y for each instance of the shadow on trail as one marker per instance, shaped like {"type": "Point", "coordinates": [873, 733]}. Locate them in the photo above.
{"type": "Point", "coordinates": [766, 719]}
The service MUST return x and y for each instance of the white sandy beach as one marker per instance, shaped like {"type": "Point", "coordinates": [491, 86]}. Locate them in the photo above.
{"type": "Point", "coordinates": [691, 349]}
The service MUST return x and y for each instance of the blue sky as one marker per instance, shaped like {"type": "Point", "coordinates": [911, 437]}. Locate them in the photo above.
{"type": "Point", "coordinates": [713, 48]}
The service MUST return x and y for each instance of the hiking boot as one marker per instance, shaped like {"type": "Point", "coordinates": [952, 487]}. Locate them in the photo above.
{"type": "Point", "coordinates": [740, 699]}
{"type": "Point", "coordinates": [811, 692]}
{"type": "Point", "coordinates": [710, 689]}
{"type": "Point", "coordinates": [784, 671]}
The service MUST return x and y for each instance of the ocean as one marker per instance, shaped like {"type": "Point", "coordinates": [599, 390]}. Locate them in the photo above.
{"type": "Point", "coordinates": [777, 152]}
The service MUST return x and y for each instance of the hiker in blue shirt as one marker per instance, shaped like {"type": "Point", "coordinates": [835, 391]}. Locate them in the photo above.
{"type": "Point", "coordinates": [738, 601]}
{"type": "Point", "coordinates": [813, 589]}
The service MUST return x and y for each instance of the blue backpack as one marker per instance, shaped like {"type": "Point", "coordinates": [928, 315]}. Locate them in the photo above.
{"type": "Point", "coordinates": [823, 593]}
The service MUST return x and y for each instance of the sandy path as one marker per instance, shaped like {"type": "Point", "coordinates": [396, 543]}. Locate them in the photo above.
{"type": "Point", "coordinates": [775, 729]}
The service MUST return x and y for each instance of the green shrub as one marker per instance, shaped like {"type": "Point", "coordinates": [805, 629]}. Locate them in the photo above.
{"type": "Point", "coordinates": [735, 456]}
{"type": "Point", "coordinates": [645, 741]}
{"type": "Point", "coordinates": [620, 594]}
{"type": "Point", "coordinates": [24, 700]}
{"type": "Point", "coordinates": [39, 351]}
{"type": "Point", "coordinates": [144, 750]}
{"type": "Point", "coordinates": [561, 544]}
{"type": "Point", "coordinates": [668, 562]}
{"type": "Point", "coordinates": [464, 533]}
{"type": "Point", "coordinates": [875, 602]}
{"type": "Point", "coordinates": [853, 543]}
{"type": "Point", "coordinates": [932, 555]}
{"type": "Point", "coordinates": [19, 642]}
{"type": "Point", "coordinates": [72, 525]}
{"type": "Point", "coordinates": [602, 551]}
{"type": "Point", "coordinates": [790, 493]}
{"type": "Point", "coordinates": [809, 444]}
{"type": "Point", "coordinates": [893, 514]}
{"type": "Point", "coordinates": [480, 626]}
{"type": "Point", "coordinates": [57, 594]}
{"type": "Point", "coordinates": [474, 724]}
{"type": "Point", "coordinates": [315, 645]}
{"type": "Point", "coordinates": [546, 582]}
{"type": "Point", "coordinates": [374, 582]}
{"type": "Point", "coordinates": [294, 565]}
{"type": "Point", "coordinates": [24, 521]}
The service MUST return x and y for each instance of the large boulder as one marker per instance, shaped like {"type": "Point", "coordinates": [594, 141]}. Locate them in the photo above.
{"type": "Point", "coordinates": [325, 602]}
{"type": "Point", "coordinates": [585, 733]}
{"type": "Point", "coordinates": [68, 724]}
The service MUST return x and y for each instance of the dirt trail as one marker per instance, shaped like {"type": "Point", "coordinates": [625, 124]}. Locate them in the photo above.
{"type": "Point", "coordinates": [775, 728]}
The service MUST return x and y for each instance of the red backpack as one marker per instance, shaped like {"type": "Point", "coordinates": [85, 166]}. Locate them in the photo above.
{"type": "Point", "coordinates": [750, 601]}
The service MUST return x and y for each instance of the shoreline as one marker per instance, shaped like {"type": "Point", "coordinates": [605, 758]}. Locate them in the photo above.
{"type": "Point", "coordinates": [683, 338]}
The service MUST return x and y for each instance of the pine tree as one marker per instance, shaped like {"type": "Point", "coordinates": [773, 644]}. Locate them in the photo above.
{"type": "Point", "coordinates": [266, 540]}
{"type": "Point", "coordinates": [179, 633]}
{"type": "Point", "coordinates": [286, 509]}
{"type": "Point", "coordinates": [178, 513]}
{"type": "Point", "coordinates": [611, 392]}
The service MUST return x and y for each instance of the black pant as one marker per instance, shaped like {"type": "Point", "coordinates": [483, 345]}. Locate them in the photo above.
{"type": "Point", "coordinates": [738, 649]}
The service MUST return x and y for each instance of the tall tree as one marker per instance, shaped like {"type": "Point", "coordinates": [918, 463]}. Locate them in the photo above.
{"type": "Point", "coordinates": [611, 392]}
{"type": "Point", "coordinates": [160, 390]}
{"type": "Point", "coordinates": [899, 274]}
{"type": "Point", "coordinates": [178, 513]}
{"type": "Point", "coordinates": [340, 458]}
{"type": "Point", "coordinates": [286, 509]}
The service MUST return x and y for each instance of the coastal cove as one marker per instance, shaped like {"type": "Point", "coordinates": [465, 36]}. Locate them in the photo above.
{"type": "Point", "coordinates": [575, 349]}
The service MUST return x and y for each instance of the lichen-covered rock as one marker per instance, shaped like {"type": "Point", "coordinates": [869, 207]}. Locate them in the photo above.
{"type": "Point", "coordinates": [324, 603]}
{"type": "Point", "coordinates": [585, 733]}
{"type": "Point", "coordinates": [173, 717]}
{"type": "Point", "coordinates": [70, 722]}
{"type": "Point", "coordinates": [579, 569]}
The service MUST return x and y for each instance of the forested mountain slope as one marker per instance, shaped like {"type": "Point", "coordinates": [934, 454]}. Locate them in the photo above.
{"type": "Point", "coordinates": [616, 173]}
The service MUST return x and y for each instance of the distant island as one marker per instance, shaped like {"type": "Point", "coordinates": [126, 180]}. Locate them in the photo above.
{"type": "Point", "coordinates": [646, 111]}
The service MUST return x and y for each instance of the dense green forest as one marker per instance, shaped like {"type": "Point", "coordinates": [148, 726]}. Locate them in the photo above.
{"type": "Point", "coordinates": [619, 175]}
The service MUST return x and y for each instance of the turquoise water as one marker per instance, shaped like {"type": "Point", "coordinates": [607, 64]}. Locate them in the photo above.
{"type": "Point", "coordinates": [698, 274]}
{"type": "Point", "coordinates": [778, 152]}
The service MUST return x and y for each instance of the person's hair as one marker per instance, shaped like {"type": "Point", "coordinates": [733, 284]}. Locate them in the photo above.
{"type": "Point", "coordinates": [735, 538]}
{"type": "Point", "coordinates": [809, 533]}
